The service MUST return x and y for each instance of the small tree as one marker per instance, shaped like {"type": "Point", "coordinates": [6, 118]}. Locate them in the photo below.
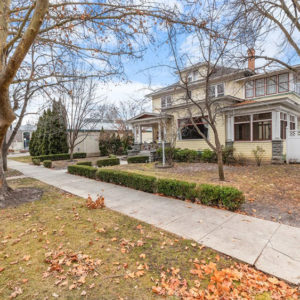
{"type": "Point", "coordinates": [259, 155]}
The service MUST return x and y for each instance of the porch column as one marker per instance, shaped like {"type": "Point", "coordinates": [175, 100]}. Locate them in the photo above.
{"type": "Point", "coordinates": [276, 125]}
{"type": "Point", "coordinates": [140, 134]}
{"type": "Point", "coordinates": [159, 132]}
{"type": "Point", "coordinates": [135, 134]}
{"type": "Point", "coordinates": [230, 129]}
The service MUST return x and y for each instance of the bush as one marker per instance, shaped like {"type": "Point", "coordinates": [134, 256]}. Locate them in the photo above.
{"type": "Point", "coordinates": [86, 171]}
{"type": "Point", "coordinates": [47, 163]}
{"type": "Point", "coordinates": [222, 196]}
{"type": "Point", "coordinates": [132, 180]}
{"type": "Point", "coordinates": [36, 161]}
{"type": "Point", "coordinates": [176, 188]}
{"type": "Point", "coordinates": [84, 163]}
{"type": "Point", "coordinates": [170, 153]}
{"type": "Point", "coordinates": [259, 154]}
{"type": "Point", "coordinates": [208, 156]}
{"type": "Point", "coordinates": [108, 162]}
{"type": "Point", "coordinates": [187, 155]}
{"type": "Point", "coordinates": [137, 159]}
{"type": "Point", "coordinates": [228, 155]}
{"type": "Point", "coordinates": [61, 156]}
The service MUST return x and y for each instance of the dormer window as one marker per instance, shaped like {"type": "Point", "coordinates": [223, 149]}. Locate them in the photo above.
{"type": "Point", "coordinates": [166, 101]}
{"type": "Point", "coordinates": [216, 90]}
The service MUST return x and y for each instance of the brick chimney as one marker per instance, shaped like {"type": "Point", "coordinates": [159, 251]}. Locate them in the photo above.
{"type": "Point", "coordinates": [251, 59]}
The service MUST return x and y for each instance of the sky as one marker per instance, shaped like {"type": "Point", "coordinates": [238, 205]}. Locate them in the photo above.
{"type": "Point", "coordinates": [151, 72]}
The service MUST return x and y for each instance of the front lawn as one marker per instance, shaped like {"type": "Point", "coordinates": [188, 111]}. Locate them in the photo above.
{"type": "Point", "coordinates": [57, 248]}
{"type": "Point", "coordinates": [12, 173]}
{"type": "Point", "coordinates": [272, 191]}
{"type": "Point", "coordinates": [24, 159]}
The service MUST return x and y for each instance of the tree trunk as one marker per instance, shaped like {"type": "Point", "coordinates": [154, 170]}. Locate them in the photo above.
{"type": "Point", "coordinates": [4, 157]}
{"type": "Point", "coordinates": [71, 153]}
{"type": "Point", "coordinates": [4, 188]}
{"type": "Point", "coordinates": [220, 165]}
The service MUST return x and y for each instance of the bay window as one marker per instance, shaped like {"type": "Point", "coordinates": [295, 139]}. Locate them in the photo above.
{"type": "Point", "coordinates": [188, 131]}
{"type": "Point", "coordinates": [268, 86]}
{"type": "Point", "coordinates": [262, 127]}
{"type": "Point", "coordinates": [242, 128]}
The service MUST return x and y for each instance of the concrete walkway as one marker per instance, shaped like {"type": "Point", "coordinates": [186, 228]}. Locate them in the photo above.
{"type": "Point", "coordinates": [272, 247]}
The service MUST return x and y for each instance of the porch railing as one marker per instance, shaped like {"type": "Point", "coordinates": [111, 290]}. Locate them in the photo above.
{"type": "Point", "coordinates": [294, 133]}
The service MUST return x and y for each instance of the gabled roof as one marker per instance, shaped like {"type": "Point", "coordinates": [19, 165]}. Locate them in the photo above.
{"type": "Point", "coordinates": [148, 116]}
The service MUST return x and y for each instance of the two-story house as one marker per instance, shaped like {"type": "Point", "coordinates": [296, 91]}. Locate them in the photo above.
{"type": "Point", "coordinates": [256, 109]}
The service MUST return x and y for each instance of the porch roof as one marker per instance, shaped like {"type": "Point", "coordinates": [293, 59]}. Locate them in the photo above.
{"type": "Point", "coordinates": [257, 105]}
{"type": "Point", "coordinates": [148, 118]}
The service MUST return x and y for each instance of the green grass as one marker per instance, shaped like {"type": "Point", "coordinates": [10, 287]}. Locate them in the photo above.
{"type": "Point", "coordinates": [12, 173]}
{"type": "Point", "coordinates": [61, 222]}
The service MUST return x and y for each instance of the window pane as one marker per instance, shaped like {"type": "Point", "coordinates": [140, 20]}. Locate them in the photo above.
{"type": "Point", "coordinates": [271, 85]}
{"type": "Point", "coordinates": [240, 119]}
{"type": "Point", "coordinates": [283, 125]}
{"type": "Point", "coordinates": [263, 116]}
{"type": "Point", "coordinates": [220, 89]}
{"type": "Point", "coordinates": [212, 92]}
{"type": "Point", "coordinates": [163, 101]}
{"type": "Point", "coordinates": [262, 131]}
{"type": "Point", "coordinates": [190, 132]}
{"type": "Point", "coordinates": [283, 84]}
{"type": "Point", "coordinates": [242, 132]}
{"type": "Point", "coordinates": [259, 87]}
{"type": "Point", "coordinates": [249, 89]}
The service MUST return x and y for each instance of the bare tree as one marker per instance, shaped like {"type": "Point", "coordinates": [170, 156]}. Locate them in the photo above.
{"type": "Point", "coordinates": [213, 49]}
{"type": "Point", "coordinates": [259, 19]}
{"type": "Point", "coordinates": [80, 103]}
{"type": "Point", "coordinates": [109, 30]}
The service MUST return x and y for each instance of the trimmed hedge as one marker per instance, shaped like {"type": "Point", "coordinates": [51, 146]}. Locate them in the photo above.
{"type": "Point", "coordinates": [222, 196]}
{"type": "Point", "coordinates": [36, 161]}
{"type": "Point", "coordinates": [187, 155]}
{"type": "Point", "coordinates": [61, 156]}
{"type": "Point", "coordinates": [137, 159]}
{"type": "Point", "coordinates": [86, 171]}
{"type": "Point", "coordinates": [213, 195]}
{"type": "Point", "coordinates": [47, 163]}
{"type": "Point", "coordinates": [108, 162]}
{"type": "Point", "coordinates": [133, 180]}
{"type": "Point", "coordinates": [175, 188]}
{"type": "Point", "coordinates": [84, 163]}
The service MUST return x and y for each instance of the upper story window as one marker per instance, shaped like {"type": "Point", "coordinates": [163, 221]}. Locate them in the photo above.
{"type": "Point", "coordinates": [267, 86]}
{"type": "Point", "coordinates": [166, 101]}
{"type": "Point", "coordinates": [193, 76]}
{"type": "Point", "coordinates": [216, 90]}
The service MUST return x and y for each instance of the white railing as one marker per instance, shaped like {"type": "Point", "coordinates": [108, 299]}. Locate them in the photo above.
{"type": "Point", "coordinates": [294, 133]}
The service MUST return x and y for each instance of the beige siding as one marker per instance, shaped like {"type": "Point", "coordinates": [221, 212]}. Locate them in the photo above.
{"type": "Point", "coordinates": [246, 149]}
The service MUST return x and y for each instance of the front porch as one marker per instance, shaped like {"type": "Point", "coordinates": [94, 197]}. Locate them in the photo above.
{"type": "Point", "coordinates": [158, 124]}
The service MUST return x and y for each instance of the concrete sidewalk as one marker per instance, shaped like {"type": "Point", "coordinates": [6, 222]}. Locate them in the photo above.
{"type": "Point", "coordinates": [272, 247]}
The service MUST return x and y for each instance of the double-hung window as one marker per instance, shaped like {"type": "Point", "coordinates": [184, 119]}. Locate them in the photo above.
{"type": "Point", "coordinates": [249, 89]}
{"type": "Point", "coordinates": [271, 83]}
{"type": "Point", "coordinates": [292, 123]}
{"type": "Point", "coordinates": [283, 83]}
{"type": "Point", "coordinates": [283, 125]}
{"type": "Point", "coordinates": [216, 90]}
{"type": "Point", "coordinates": [259, 87]}
{"type": "Point", "coordinates": [262, 127]}
{"type": "Point", "coordinates": [242, 128]}
{"type": "Point", "coordinates": [166, 101]}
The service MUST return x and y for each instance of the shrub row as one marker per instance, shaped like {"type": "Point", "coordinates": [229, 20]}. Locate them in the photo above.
{"type": "Point", "coordinates": [108, 162]}
{"type": "Point", "coordinates": [84, 163]}
{"type": "Point", "coordinates": [133, 180]}
{"type": "Point", "coordinates": [215, 195]}
{"type": "Point", "coordinates": [137, 159]}
{"type": "Point", "coordinates": [61, 156]}
{"type": "Point", "coordinates": [86, 171]}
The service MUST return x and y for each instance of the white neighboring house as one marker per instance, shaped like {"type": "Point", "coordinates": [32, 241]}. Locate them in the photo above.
{"type": "Point", "coordinates": [22, 138]}
{"type": "Point", "coordinates": [90, 137]}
